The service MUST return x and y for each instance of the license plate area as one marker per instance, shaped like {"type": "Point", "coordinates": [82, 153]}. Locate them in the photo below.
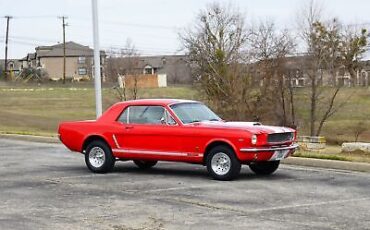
{"type": "Point", "coordinates": [279, 155]}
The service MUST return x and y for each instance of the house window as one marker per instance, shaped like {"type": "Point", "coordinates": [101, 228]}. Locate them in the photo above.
{"type": "Point", "coordinates": [81, 60]}
{"type": "Point", "coordinates": [82, 71]}
{"type": "Point", "coordinates": [148, 70]}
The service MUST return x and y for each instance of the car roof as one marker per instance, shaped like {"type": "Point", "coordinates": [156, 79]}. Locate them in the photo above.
{"type": "Point", "coordinates": [162, 102]}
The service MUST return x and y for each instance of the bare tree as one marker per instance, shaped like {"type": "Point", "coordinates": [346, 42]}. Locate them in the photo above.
{"type": "Point", "coordinates": [123, 63]}
{"type": "Point", "coordinates": [270, 47]}
{"type": "Point", "coordinates": [359, 128]}
{"type": "Point", "coordinates": [354, 46]}
{"type": "Point", "coordinates": [326, 54]}
{"type": "Point", "coordinates": [214, 45]}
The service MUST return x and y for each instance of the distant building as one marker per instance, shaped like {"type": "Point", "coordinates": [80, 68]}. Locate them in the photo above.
{"type": "Point", "coordinates": [79, 61]}
{"type": "Point", "coordinates": [296, 70]}
{"type": "Point", "coordinates": [14, 66]}
{"type": "Point", "coordinates": [175, 68]}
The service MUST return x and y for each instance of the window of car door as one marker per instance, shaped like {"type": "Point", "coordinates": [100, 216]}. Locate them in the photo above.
{"type": "Point", "coordinates": [146, 115]}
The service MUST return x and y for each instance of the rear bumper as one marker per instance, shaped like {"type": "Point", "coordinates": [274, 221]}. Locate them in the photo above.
{"type": "Point", "coordinates": [270, 149]}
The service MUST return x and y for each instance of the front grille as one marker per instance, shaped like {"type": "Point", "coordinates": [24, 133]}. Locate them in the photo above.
{"type": "Point", "coordinates": [279, 137]}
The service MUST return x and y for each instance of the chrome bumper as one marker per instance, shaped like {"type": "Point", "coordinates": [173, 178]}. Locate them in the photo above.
{"type": "Point", "coordinates": [293, 146]}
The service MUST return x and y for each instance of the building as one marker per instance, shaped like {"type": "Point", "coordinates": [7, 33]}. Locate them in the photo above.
{"type": "Point", "coordinates": [296, 69]}
{"type": "Point", "coordinates": [79, 61]}
{"type": "Point", "coordinates": [175, 68]}
{"type": "Point", "coordinates": [14, 67]}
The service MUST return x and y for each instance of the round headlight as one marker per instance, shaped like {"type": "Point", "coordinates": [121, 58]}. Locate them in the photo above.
{"type": "Point", "coordinates": [254, 139]}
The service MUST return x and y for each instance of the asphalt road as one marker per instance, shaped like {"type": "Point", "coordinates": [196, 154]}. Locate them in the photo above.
{"type": "Point", "coordinates": [45, 186]}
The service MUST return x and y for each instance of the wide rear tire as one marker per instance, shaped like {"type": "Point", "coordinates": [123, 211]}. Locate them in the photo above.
{"type": "Point", "coordinates": [145, 164]}
{"type": "Point", "coordinates": [222, 163]}
{"type": "Point", "coordinates": [99, 157]}
{"type": "Point", "coordinates": [265, 167]}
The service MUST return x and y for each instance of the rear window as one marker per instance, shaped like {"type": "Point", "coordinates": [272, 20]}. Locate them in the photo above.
{"type": "Point", "coordinates": [142, 115]}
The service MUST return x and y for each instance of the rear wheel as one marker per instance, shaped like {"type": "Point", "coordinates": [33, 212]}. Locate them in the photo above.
{"type": "Point", "coordinates": [145, 164]}
{"type": "Point", "coordinates": [222, 163]}
{"type": "Point", "coordinates": [265, 167]}
{"type": "Point", "coordinates": [99, 157]}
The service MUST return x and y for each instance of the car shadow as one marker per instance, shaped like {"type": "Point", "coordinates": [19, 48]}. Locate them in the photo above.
{"type": "Point", "coordinates": [173, 170]}
{"type": "Point", "coordinates": [197, 171]}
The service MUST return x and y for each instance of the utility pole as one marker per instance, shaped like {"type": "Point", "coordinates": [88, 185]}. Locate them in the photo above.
{"type": "Point", "coordinates": [97, 80]}
{"type": "Point", "coordinates": [64, 47]}
{"type": "Point", "coordinates": [6, 47]}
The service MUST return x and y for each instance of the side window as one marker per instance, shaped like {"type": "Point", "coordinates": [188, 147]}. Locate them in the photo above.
{"type": "Point", "coordinates": [124, 116]}
{"type": "Point", "coordinates": [169, 119]}
{"type": "Point", "coordinates": [142, 115]}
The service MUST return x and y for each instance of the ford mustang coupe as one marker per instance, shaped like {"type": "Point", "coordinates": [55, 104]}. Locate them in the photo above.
{"type": "Point", "coordinates": [152, 130]}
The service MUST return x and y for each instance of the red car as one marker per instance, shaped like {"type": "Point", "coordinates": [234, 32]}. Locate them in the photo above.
{"type": "Point", "coordinates": [152, 130]}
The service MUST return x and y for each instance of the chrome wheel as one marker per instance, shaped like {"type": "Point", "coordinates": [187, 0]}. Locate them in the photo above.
{"type": "Point", "coordinates": [97, 157]}
{"type": "Point", "coordinates": [221, 163]}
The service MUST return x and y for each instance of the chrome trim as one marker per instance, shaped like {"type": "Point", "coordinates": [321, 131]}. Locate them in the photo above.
{"type": "Point", "coordinates": [115, 141]}
{"type": "Point", "coordinates": [163, 153]}
{"type": "Point", "coordinates": [293, 146]}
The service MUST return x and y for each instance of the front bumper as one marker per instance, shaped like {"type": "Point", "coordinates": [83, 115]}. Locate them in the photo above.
{"type": "Point", "coordinates": [266, 153]}
{"type": "Point", "coordinates": [270, 149]}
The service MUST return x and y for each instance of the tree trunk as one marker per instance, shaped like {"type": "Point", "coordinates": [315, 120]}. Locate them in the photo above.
{"type": "Point", "coordinates": [313, 106]}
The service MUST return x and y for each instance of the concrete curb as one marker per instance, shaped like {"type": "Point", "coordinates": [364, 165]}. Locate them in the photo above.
{"type": "Point", "coordinates": [41, 139]}
{"type": "Point", "coordinates": [332, 164]}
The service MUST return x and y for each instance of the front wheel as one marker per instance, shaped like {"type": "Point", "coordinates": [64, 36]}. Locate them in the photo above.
{"type": "Point", "coordinates": [222, 163]}
{"type": "Point", "coordinates": [265, 167]}
{"type": "Point", "coordinates": [145, 164]}
{"type": "Point", "coordinates": [99, 157]}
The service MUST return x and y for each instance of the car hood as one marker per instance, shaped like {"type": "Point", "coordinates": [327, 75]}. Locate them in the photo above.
{"type": "Point", "coordinates": [252, 127]}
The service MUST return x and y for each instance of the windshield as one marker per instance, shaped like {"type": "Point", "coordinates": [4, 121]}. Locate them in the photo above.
{"type": "Point", "coordinates": [194, 112]}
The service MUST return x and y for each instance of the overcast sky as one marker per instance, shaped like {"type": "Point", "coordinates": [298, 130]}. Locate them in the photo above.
{"type": "Point", "coordinates": [152, 25]}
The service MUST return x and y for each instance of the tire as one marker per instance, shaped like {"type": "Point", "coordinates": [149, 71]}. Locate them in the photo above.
{"type": "Point", "coordinates": [99, 157]}
{"type": "Point", "coordinates": [145, 164]}
{"type": "Point", "coordinates": [265, 167]}
{"type": "Point", "coordinates": [228, 168]}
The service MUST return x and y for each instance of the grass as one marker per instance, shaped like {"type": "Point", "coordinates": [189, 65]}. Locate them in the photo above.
{"type": "Point", "coordinates": [334, 152]}
{"type": "Point", "coordinates": [341, 126]}
{"type": "Point", "coordinates": [321, 156]}
{"type": "Point", "coordinates": [38, 109]}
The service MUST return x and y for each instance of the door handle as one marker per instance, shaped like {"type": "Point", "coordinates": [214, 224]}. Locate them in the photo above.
{"type": "Point", "coordinates": [129, 127]}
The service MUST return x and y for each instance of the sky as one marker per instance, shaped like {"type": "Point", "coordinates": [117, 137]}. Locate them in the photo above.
{"type": "Point", "coordinates": [151, 25]}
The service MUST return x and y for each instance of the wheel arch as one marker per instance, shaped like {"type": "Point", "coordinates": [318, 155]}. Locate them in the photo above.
{"type": "Point", "coordinates": [91, 138]}
{"type": "Point", "coordinates": [214, 143]}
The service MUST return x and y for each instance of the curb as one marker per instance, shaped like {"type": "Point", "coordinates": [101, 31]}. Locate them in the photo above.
{"type": "Point", "coordinates": [41, 139]}
{"type": "Point", "coordinates": [331, 164]}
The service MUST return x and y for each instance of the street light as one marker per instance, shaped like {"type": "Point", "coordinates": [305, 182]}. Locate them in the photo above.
{"type": "Point", "coordinates": [97, 79]}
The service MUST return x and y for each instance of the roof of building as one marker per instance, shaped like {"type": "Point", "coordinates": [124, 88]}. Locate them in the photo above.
{"type": "Point", "coordinates": [73, 49]}
{"type": "Point", "coordinates": [159, 61]}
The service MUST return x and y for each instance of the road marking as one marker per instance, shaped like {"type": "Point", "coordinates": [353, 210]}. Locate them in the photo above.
{"type": "Point", "coordinates": [245, 212]}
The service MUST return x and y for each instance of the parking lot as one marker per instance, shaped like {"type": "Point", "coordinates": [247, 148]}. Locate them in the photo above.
{"type": "Point", "coordinates": [45, 186]}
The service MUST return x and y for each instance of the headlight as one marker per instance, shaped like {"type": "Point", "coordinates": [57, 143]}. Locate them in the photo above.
{"type": "Point", "coordinates": [254, 139]}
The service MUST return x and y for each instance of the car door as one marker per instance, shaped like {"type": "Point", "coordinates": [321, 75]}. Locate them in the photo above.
{"type": "Point", "coordinates": [148, 133]}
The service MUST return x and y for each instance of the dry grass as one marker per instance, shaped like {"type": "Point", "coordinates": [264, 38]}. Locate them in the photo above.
{"type": "Point", "coordinates": [38, 110]}
{"type": "Point", "coordinates": [334, 152]}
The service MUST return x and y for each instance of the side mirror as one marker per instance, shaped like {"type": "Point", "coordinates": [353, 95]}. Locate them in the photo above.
{"type": "Point", "coordinates": [163, 121]}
